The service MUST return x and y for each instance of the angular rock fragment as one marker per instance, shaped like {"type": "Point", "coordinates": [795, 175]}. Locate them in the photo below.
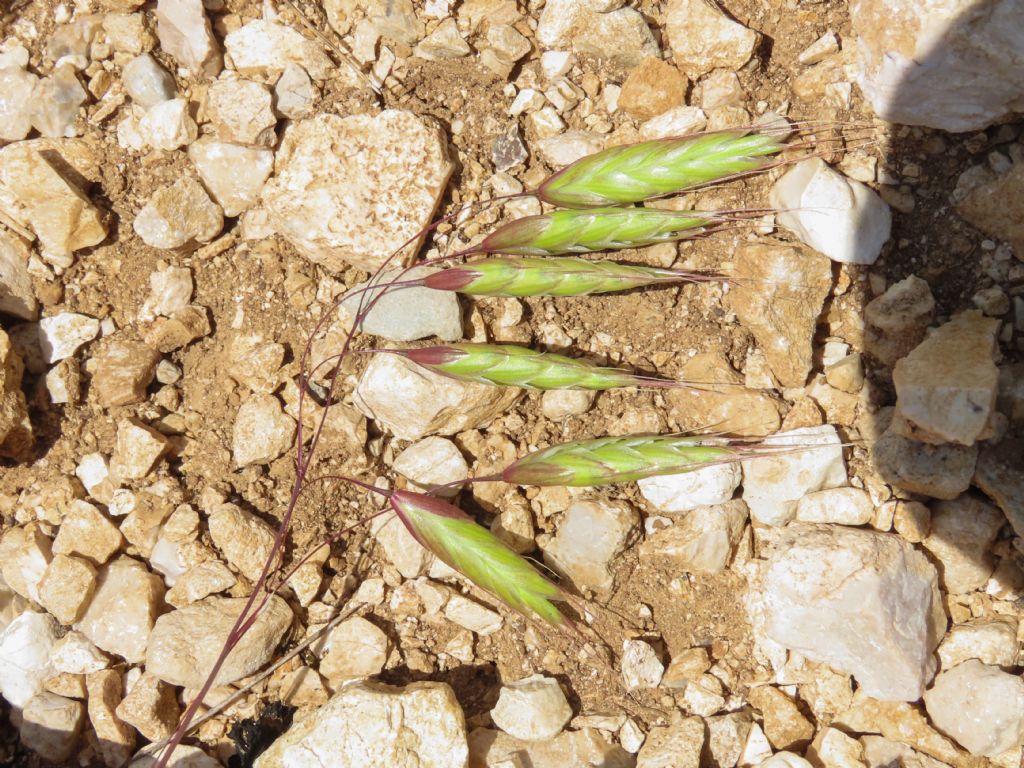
{"type": "Point", "coordinates": [341, 207]}
{"type": "Point", "coordinates": [621, 36]}
{"type": "Point", "coordinates": [123, 371]}
{"type": "Point", "coordinates": [177, 215]}
{"type": "Point", "coordinates": [51, 726]}
{"type": "Point", "coordinates": [186, 34]}
{"type": "Point", "coordinates": [123, 609]}
{"type": "Point", "coordinates": [234, 174]}
{"type": "Point", "coordinates": [589, 537]}
{"type": "Point", "coordinates": [703, 38]}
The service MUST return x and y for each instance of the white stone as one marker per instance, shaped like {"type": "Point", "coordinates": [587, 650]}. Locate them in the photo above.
{"type": "Point", "coordinates": [569, 147]}
{"type": "Point", "coordinates": [842, 506]}
{"type": "Point", "coordinates": [56, 101]}
{"type": "Point", "coordinates": [772, 485]}
{"type": "Point", "coordinates": [641, 667]}
{"type": "Point", "coordinates": [784, 760]}
{"type": "Point", "coordinates": [944, 64]}
{"type": "Point", "coordinates": [354, 648]}
{"type": "Point", "coordinates": [703, 541]}
{"type": "Point", "coordinates": [444, 42]}
{"type": "Point", "coordinates": [555, 64]}
{"type": "Point", "coordinates": [207, 578]}
{"type": "Point", "coordinates": [177, 215]}
{"type": "Point", "coordinates": [863, 602]}
{"type": "Point", "coordinates": [589, 537]}
{"type": "Point", "coordinates": [532, 709]}
{"type": "Point", "coordinates": [962, 533]}
{"type": "Point", "coordinates": [168, 125]}
{"type": "Point", "coordinates": [16, 87]}
{"type": "Point", "coordinates": [559, 404]}
{"type": "Point", "coordinates": [17, 297]}
{"type": "Point", "coordinates": [404, 313]}
{"type": "Point", "coordinates": [75, 654]}
{"type": "Point", "coordinates": [340, 208]}
{"type": "Point", "coordinates": [621, 36]}
{"type": "Point", "coordinates": [294, 93]}
{"type": "Point", "coordinates": [186, 34]}
{"type": "Point", "coordinates": [123, 609]}
{"type": "Point", "coordinates": [60, 336]}
{"type": "Point", "coordinates": [992, 641]}
{"type": "Point", "coordinates": [25, 656]}
{"type": "Point", "coordinates": [263, 431]}
{"type": "Point", "coordinates": [980, 706]}
{"type": "Point", "coordinates": [184, 757]}
{"type": "Point", "coordinates": [234, 174]}
{"type": "Point", "coordinates": [185, 643]}
{"type": "Point", "coordinates": [433, 461]}
{"type": "Point", "coordinates": [401, 549]}
{"type": "Point", "coordinates": [147, 82]}
{"type": "Point", "coordinates": [93, 471]}
{"type": "Point", "coordinates": [756, 749]}
{"type": "Point", "coordinates": [703, 38]}
{"type": "Point", "coordinates": [472, 616]}
{"type": "Point", "coordinates": [264, 47]}
{"type": "Point", "coordinates": [170, 289]}
{"type": "Point", "coordinates": [137, 450]}
{"type": "Point", "coordinates": [25, 553]}
{"type": "Point", "coordinates": [240, 111]}
{"type": "Point", "coordinates": [677, 121]}
{"type": "Point", "coordinates": [243, 539]}
{"type": "Point", "coordinates": [51, 726]}
{"type": "Point", "coordinates": [419, 726]}
{"type": "Point", "coordinates": [820, 49]}
{"type": "Point", "coordinates": [704, 696]}
{"type": "Point", "coordinates": [35, 193]}
{"type": "Point", "coordinates": [688, 490]}
{"type": "Point", "coordinates": [837, 216]}
{"type": "Point", "coordinates": [411, 402]}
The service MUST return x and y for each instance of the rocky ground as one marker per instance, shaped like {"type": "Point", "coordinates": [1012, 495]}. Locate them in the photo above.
{"type": "Point", "coordinates": [186, 187]}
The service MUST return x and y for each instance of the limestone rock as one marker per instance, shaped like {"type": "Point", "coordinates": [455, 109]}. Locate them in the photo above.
{"type": "Point", "coordinates": [25, 656]}
{"type": "Point", "coordinates": [234, 174]}
{"type": "Point", "coordinates": [35, 191]}
{"type": "Point", "coordinates": [568, 147]}
{"type": "Point", "coordinates": [123, 371]}
{"type": "Point", "coordinates": [703, 38]}
{"type": "Point", "coordinates": [704, 486]}
{"type": "Point", "coordinates": [490, 748]}
{"type": "Point", "coordinates": [16, 87]}
{"type": "Point", "coordinates": [167, 125]}
{"type": "Point", "coordinates": [294, 93]}
{"type": "Point", "coordinates": [355, 648]}
{"type": "Point", "coordinates": [992, 641]}
{"type": "Point", "coordinates": [123, 609]}
{"type": "Point", "coordinates": [589, 537]}
{"type": "Point", "coordinates": [773, 485]}
{"type": "Point", "coordinates": [184, 757]}
{"type": "Point", "coordinates": [641, 667]}
{"type": "Point", "coordinates": [412, 402]}
{"type": "Point", "coordinates": [652, 88]}
{"type": "Point", "coordinates": [729, 406]}
{"type": "Point", "coordinates": [241, 112]}
{"type": "Point", "coordinates": [401, 549]}
{"type": "Point", "coordinates": [433, 461]}
{"type": "Point", "coordinates": [559, 404]}
{"type": "Point", "coordinates": [266, 48]}
{"type": "Point", "coordinates": [186, 642]}
{"type": "Point", "coordinates": [25, 554]}
{"type": "Point", "coordinates": [17, 297]}
{"type": "Point", "coordinates": [137, 450]}
{"type": "Point", "coordinates": [186, 34]}
{"type": "Point", "coordinates": [897, 320]}
{"type": "Point", "coordinates": [75, 654]}
{"type": "Point", "coordinates": [147, 82]}
{"type": "Point", "coordinates": [150, 707]}
{"type": "Point", "coordinates": [56, 101]}
{"type": "Point", "coordinates": [199, 581]}
{"type": "Point", "coordinates": [532, 709]}
{"type": "Point", "coordinates": [841, 506]}
{"type": "Point", "coordinates": [470, 615]}
{"type": "Point", "coordinates": [872, 598]}
{"type": "Point", "coordinates": [939, 471]}
{"type": "Point", "coordinates": [418, 726]}
{"type": "Point", "coordinates": [86, 531]}
{"type": "Point", "coordinates": [15, 427]}
{"type": "Point", "coordinates": [61, 335]}
{"type": "Point", "coordinates": [444, 42]}
{"type": "Point", "coordinates": [702, 542]}
{"type": "Point", "coordinates": [177, 215]}
{"type": "Point", "coordinates": [621, 37]}
{"type": "Point", "coordinates": [51, 726]}
{"type": "Point", "coordinates": [263, 431]}
{"type": "Point", "coordinates": [405, 314]}
{"type": "Point", "coordinates": [946, 387]}
{"type": "Point", "coordinates": [244, 539]}
{"type": "Point", "coordinates": [980, 706]}
{"type": "Point", "coordinates": [116, 740]}
{"type": "Point", "coordinates": [837, 216]}
{"type": "Point", "coordinates": [67, 588]}
{"type": "Point", "coordinates": [995, 208]}
{"type": "Point", "coordinates": [128, 33]}
{"type": "Point", "coordinates": [778, 297]}
{"type": "Point", "coordinates": [784, 724]}
{"type": "Point", "coordinates": [677, 745]}
{"type": "Point", "coordinates": [921, 63]}
{"type": "Point", "coordinates": [834, 749]}
{"type": "Point", "coordinates": [367, 203]}
{"type": "Point", "coordinates": [962, 533]}
{"type": "Point", "coordinates": [180, 329]}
